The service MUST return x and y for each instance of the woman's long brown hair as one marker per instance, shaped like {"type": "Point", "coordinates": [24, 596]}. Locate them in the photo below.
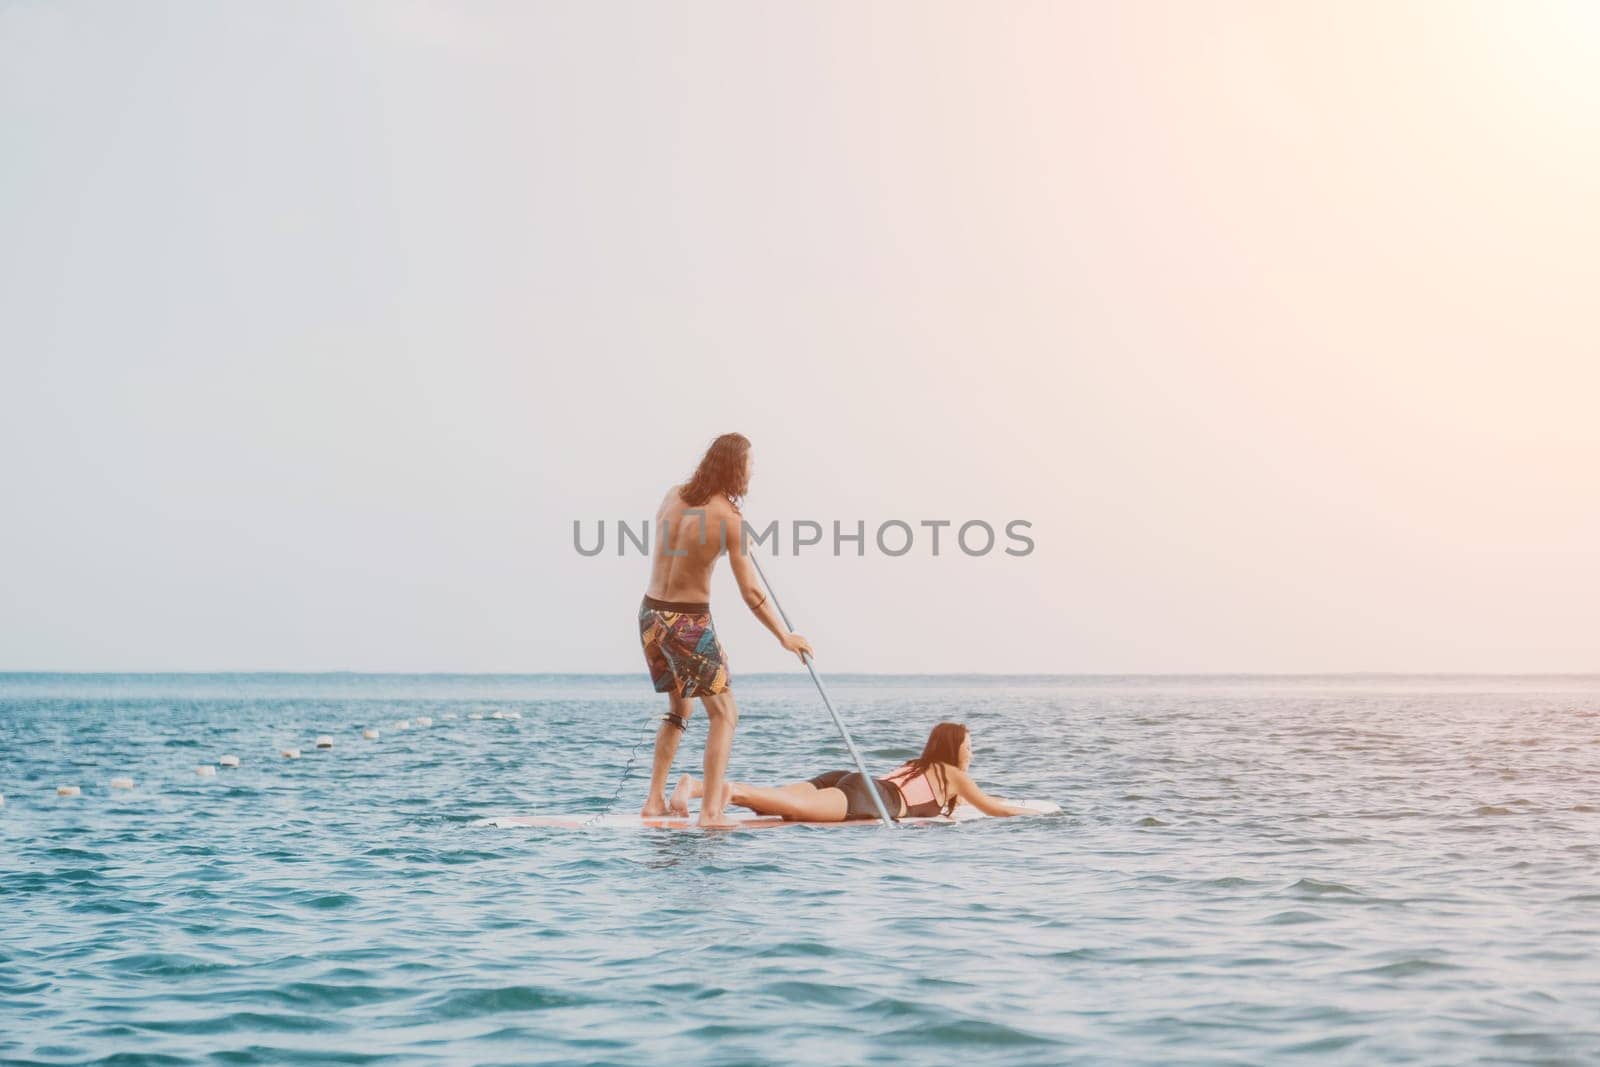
{"type": "Point", "coordinates": [722, 470]}
{"type": "Point", "coordinates": [944, 746]}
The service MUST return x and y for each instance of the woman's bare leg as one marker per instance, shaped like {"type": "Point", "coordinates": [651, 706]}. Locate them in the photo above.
{"type": "Point", "coordinates": [809, 804]}
{"type": "Point", "coordinates": [691, 788]}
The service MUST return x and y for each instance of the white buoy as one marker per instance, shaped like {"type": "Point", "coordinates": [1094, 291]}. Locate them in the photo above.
{"type": "Point", "coordinates": [122, 783]}
{"type": "Point", "coordinates": [475, 715]}
{"type": "Point", "coordinates": [68, 791]}
{"type": "Point", "coordinates": [403, 724]}
{"type": "Point", "coordinates": [324, 741]}
{"type": "Point", "coordinates": [291, 753]}
{"type": "Point", "coordinates": [369, 734]}
{"type": "Point", "coordinates": [423, 720]}
{"type": "Point", "coordinates": [229, 761]}
{"type": "Point", "coordinates": [206, 770]}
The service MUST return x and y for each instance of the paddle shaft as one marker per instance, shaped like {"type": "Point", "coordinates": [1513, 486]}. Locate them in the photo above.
{"type": "Point", "coordinates": [872, 786]}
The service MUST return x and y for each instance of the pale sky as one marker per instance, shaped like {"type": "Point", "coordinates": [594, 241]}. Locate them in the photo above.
{"type": "Point", "coordinates": [320, 324]}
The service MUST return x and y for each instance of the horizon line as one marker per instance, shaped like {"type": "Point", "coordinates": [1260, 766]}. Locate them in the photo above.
{"type": "Point", "coordinates": [9, 673]}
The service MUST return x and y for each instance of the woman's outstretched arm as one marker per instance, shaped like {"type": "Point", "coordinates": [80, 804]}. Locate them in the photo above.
{"type": "Point", "coordinates": [968, 790]}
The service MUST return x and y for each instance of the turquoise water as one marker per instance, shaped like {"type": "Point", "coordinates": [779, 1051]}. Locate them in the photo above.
{"type": "Point", "coordinates": [1365, 870]}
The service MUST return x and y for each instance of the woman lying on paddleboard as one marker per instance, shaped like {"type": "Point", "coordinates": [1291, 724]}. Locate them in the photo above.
{"type": "Point", "coordinates": [932, 784]}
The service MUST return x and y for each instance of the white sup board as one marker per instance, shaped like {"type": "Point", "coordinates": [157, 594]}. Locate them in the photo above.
{"type": "Point", "coordinates": [965, 813]}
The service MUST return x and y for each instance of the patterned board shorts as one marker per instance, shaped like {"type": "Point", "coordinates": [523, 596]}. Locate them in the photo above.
{"type": "Point", "coordinates": [681, 648]}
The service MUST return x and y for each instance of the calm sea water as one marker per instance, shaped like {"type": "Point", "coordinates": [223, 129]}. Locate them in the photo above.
{"type": "Point", "coordinates": [1350, 869]}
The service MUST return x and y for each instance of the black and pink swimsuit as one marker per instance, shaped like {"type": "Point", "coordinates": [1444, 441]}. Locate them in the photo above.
{"type": "Point", "coordinates": [914, 793]}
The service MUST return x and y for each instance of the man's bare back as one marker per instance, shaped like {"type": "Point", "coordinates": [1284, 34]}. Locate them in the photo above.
{"type": "Point", "coordinates": [687, 542]}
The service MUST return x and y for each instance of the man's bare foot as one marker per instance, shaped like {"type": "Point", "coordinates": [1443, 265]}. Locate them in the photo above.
{"type": "Point", "coordinates": [653, 807]}
{"type": "Point", "coordinates": [678, 803]}
{"type": "Point", "coordinates": [719, 821]}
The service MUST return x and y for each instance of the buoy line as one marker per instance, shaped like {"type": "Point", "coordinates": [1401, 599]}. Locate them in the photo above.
{"type": "Point", "coordinates": [324, 742]}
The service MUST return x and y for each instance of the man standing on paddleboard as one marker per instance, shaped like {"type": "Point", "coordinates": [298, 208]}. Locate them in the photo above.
{"type": "Point", "coordinates": [695, 524]}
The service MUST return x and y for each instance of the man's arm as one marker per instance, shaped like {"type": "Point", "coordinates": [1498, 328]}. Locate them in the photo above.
{"type": "Point", "coordinates": [755, 597]}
